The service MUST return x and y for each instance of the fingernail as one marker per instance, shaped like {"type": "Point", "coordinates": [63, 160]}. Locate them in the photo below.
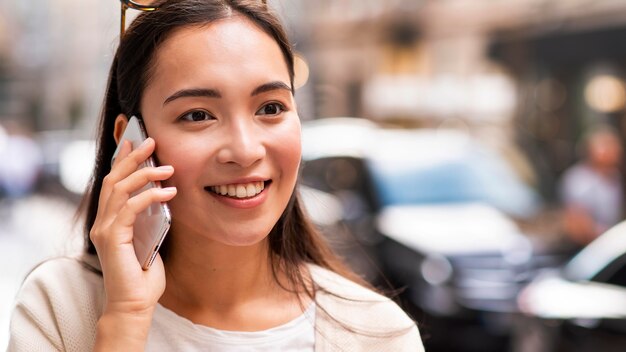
{"type": "Point", "coordinates": [145, 142]}
{"type": "Point", "coordinates": [169, 189]}
{"type": "Point", "coordinates": [165, 168]}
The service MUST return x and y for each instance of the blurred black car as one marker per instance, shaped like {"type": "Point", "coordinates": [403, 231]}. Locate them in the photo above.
{"type": "Point", "coordinates": [432, 209]}
{"type": "Point", "coordinates": [581, 306]}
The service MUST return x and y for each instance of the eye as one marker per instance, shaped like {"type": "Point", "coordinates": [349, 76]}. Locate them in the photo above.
{"type": "Point", "coordinates": [196, 116]}
{"type": "Point", "coordinates": [270, 109]}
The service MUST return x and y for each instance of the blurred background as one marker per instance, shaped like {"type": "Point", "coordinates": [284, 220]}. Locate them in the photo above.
{"type": "Point", "coordinates": [463, 155]}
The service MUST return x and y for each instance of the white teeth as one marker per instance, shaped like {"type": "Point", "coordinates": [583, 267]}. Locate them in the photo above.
{"type": "Point", "coordinates": [240, 190]}
{"type": "Point", "coordinates": [250, 190]}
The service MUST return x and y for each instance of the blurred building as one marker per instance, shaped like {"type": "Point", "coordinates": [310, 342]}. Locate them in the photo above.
{"type": "Point", "coordinates": [534, 73]}
{"type": "Point", "coordinates": [54, 57]}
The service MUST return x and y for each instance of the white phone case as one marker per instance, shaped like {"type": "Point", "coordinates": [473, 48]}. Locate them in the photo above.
{"type": "Point", "coordinates": [152, 224]}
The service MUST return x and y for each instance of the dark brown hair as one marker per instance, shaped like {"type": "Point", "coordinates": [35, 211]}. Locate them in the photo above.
{"type": "Point", "coordinates": [293, 241]}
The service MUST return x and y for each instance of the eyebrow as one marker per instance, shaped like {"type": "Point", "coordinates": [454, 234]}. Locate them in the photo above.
{"type": "Point", "coordinates": [193, 92]}
{"type": "Point", "coordinates": [214, 93]}
{"type": "Point", "coordinates": [269, 87]}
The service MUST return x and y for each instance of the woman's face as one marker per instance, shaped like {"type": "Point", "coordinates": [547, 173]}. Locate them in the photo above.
{"type": "Point", "coordinates": [221, 111]}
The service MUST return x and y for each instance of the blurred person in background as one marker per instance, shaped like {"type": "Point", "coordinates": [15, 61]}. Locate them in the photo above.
{"type": "Point", "coordinates": [20, 160]}
{"type": "Point", "coordinates": [242, 269]}
{"type": "Point", "coordinates": [591, 190]}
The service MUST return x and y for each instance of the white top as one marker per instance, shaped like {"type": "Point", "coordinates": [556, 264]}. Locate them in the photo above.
{"type": "Point", "coordinates": [171, 332]}
{"type": "Point", "coordinates": [600, 195]}
{"type": "Point", "coordinates": [58, 307]}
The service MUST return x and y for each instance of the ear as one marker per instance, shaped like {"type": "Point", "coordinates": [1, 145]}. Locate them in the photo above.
{"type": "Point", "coordinates": [121, 121]}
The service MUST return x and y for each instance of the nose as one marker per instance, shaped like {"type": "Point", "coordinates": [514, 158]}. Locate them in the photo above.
{"type": "Point", "coordinates": [243, 144]}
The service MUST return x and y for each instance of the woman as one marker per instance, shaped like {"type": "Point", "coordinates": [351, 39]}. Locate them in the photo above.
{"type": "Point", "coordinates": [242, 268]}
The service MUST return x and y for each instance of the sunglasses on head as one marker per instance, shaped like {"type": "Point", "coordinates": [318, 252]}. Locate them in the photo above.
{"type": "Point", "coordinates": [141, 5]}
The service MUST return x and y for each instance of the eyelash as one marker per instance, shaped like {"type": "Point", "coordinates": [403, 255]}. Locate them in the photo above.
{"type": "Point", "coordinates": [207, 116]}
{"type": "Point", "coordinates": [190, 113]}
{"type": "Point", "coordinates": [280, 107]}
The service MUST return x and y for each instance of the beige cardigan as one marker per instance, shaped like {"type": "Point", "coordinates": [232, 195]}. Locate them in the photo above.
{"type": "Point", "coordinates": [60, 302]}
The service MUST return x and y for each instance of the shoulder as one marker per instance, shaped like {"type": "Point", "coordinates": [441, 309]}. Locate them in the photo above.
{"type": "Point", "coordinates": [60, 301]}
{"type": "Point", "coordinates": [352, 314]}
{"type": "Point", "coordinates": [345, 297]}
{"type": "Point", "coordinates": [336, 284]}
{"type": "Point", "coordinates": [573, 178]}
{"type": "Point", "coordinates": [62, 279]}
{"type": "Point", "coordinates": [579, 171]}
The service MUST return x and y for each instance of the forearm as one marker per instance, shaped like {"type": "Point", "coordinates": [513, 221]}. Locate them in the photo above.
{"type": "Point", "coordinates": [122, 331]}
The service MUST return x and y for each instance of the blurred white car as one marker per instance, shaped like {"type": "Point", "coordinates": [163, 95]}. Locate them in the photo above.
{"type": "Point", "coordinates": [581, 306]}
{"type": "Point", "coordinates": [434, 210]}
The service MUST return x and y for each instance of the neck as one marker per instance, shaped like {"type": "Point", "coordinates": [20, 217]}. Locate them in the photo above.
{"type": "Point", "coordinates": [603, 169]}
{"type": "Point", "coordinates": [212, 274]}
{"type": "Point", "coordinates": [218, 285]}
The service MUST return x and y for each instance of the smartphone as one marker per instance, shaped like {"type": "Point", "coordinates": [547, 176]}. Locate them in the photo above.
{"type": "Point", "coordinates": [152, 224]}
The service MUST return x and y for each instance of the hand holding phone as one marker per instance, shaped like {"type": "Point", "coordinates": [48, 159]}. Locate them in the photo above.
{"type": "Point", "coordinates": [152, 224]}
{"type": "Point", "coordinates": [131, 291]}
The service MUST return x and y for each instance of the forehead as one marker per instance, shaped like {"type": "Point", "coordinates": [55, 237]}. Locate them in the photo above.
{"type": "Point", "coordinates": [603, 138]}
{"type": "Point", "coordinates": [228, 49]}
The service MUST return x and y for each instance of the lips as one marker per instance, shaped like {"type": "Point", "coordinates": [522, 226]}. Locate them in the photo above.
{"type": "Point", "coordinates": [239, 190]}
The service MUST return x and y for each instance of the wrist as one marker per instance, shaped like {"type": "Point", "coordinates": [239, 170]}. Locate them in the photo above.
{"type": "Point", "coordinates": [117, 331]}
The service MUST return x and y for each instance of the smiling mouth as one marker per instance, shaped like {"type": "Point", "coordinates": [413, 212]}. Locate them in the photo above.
{"type": "Point", "coordinates": [239, 190]}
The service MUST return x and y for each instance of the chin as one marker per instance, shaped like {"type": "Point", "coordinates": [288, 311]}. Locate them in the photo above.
{"type": "Point", "coordinates": [240, 235]}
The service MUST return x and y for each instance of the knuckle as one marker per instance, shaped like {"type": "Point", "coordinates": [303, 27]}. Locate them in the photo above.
{"type": "Point", "coordinates": [94, 236]}
{"type": "Point", "coordinates": [137, 156]}
{"type": "Point", "coordinates": [106, 181]}
{"type": "Point", "coordinates": [146, 173]}
{"type": "Point", "coordinates": [130, 210]}
{"type": "Point", "coordinates": [117, 188]}
{"type": "Point", "coordinates": [155, 192]}
{"type": "Point", "coordinates": [131, 204]}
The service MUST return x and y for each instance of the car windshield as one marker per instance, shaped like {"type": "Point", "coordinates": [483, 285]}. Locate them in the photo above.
{"type": "Point", "coordinates": [604, 255]}
{"type": "Point", "coordinates": [426, 167]}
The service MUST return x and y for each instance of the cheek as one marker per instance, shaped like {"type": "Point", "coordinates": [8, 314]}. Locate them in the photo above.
{"type": "Point", "coordinates": [170, 154]}
{"type": "Point", "coordinates": [293, 156]}
{"type": "Point", "coordinates": [289, 149]}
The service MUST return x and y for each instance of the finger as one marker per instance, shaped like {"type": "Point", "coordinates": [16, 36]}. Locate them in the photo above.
{"type": "Point", "coordinates": [124, 166]}
{"type": "Point", "coordinates": [135, 205]}
{"type": "Point", "coordinates": [127, 164]}
{"type": "Point", "coordinates": [125, 149]}
{"type": "Point", "coordinates": [123, 190]}
{"type": "Point", "coordinates": [120, 231]}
